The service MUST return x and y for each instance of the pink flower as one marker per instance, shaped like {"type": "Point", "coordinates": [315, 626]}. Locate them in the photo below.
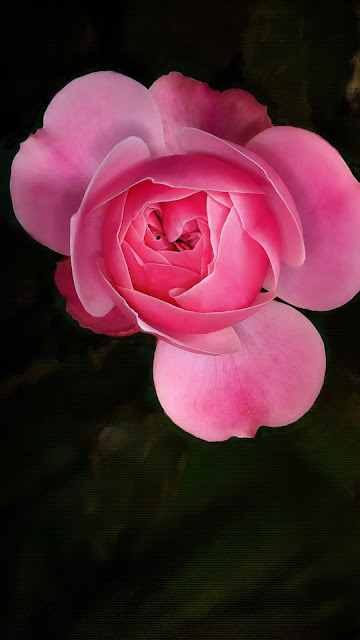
{"type": "Point", "coordinates": [184, 213]}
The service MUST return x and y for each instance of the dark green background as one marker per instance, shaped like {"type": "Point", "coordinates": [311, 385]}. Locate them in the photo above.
{"type": "Point", "coordinates": [115, 523]}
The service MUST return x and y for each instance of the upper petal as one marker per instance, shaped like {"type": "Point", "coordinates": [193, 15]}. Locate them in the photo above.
{"type": "Point", "coordinates": [272, 380]}
{"type": "Point", "coordinates": [184, 102]}
{"type": "Point", "coordinates": [327, 197]}
{"type": "Point", "coordinates": [83, 122]}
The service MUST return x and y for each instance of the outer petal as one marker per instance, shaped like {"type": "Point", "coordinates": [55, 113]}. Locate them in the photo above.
{"type": "Point", "coordinates": [114, 323]}
{"type": "Point", "coordinates": [184, 102]}
{"type": "Point", "coordinates": [83, 122]}
{"type": "Point", "coordinates": [327, 197]}
{"type": "Point", "coordinates": [273, 380]}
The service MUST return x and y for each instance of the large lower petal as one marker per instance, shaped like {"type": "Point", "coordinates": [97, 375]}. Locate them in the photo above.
{"type": "Point", "coordinates": [327, 197]}
{"type": "Point", "coordinates": [272, 380]}
{"type": "Point", "coordinates": [82, 123]}
{"type": "Point", "coordinates": [233, 114]}
{"type": "Point", "coordinates": [115, 323]}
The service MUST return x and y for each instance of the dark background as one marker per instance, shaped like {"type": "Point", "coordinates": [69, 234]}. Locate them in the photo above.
{"type": "Point", "coordinates": [115, 523]}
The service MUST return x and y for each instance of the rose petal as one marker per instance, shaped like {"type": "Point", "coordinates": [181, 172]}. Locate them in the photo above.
{"type": "Point", "coordinates": [238, 274]}
{"type": "Point", "coordinates": [327, 197]}
{"type": "Point", "coordinates": [273, 380]}
{"type": "Point", "coordinates": [145, 253]}
{"type": "Point", "coordinates": [188, 172]}
{"type": "Point", "coordinates": [277, 196]}
{"type": "Point", "coordinates": [161, 278]}
{"type": "Point", "coordinates": [86, 242]}
{"type": "Point", "coordinates": [165, 315]}
{"type": "Point", "coordinates": [217, 214]}
{"type": "Point", "coordinates": [257, 220]}
{"type": "Point", "coordinates": [222, 341]}
{"type": "Point", "coordinates": [82, 123]}
{"type": "Point", "coordinates": [114, 323]}
{"type": "Point", "coordinates": [233, 114]}
{"type": "Point", "coordinates": [215, 343]}
{"type": "Point", "coordinates": [175, 214]}
{"type": "Point", "coordinates": [46, 190]}
{"type": "Point", "coordinates": [146, 193]}
{"type": "Point", "coordinates": [189, 259]}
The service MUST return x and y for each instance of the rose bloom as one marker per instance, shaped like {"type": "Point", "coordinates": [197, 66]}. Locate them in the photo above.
{"type": "Point", "coordinates": [184, 213]}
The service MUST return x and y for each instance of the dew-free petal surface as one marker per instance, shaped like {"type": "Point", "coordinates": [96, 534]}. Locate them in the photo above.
{"type": "Point", "coordinates": [272, 380]}
{"type": "Point", "coordinates": [238, 274]}
{"type": "Point", "coordinates": [276, 194]}
{"type": "Point", "coordinates": [155, 311]}
{"type": "Point", "coordinates": [86, 226]}
{"type": "Point", "coordinates": [114, 323]}
{"type": "Point", "coordinates": [233, 114]}
{"type": "Point", "coordinates": [82, 123]}
{"type": "Point", "coordinates": [327, 197]}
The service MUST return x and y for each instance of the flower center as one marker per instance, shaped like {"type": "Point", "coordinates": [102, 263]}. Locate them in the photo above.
{"type": "Point", "coordinates": [186, 241]}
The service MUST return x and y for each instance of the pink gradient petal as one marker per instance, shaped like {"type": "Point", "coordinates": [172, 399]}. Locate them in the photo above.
{"type": "Point", "coordinates": [238, 273]}
{"type": "Point", "coordinates": [257, 220]}
{"type": "Point", "coordinates": [277, 195]}
{"type": "Point", "coordinates": [217, 214]}
{"type": "Point", "coordinates": [46, 190]}
{"type": "Point", "coordinates": [188, 259]}
{"type": "Point", "coordinates": [218, 342]}
{"type": "Point", "coordinates": [175, 214]}
{"type": "Point", "coordinates": [184, 102]}
{"type": "Point", "coordinates": [273, 380]}
{"type": "Point", "coordinates": [145, 253]}
{"type": "Point", "coordinates": [95, 112]}
{"type": "Point", "coordinates": [82, 123]}
{"type": "Point", "coordinates": [135, 269]}
{"type": "Point", "coordinates": [160, 313]}
{"type": "Point", "coordinates": [115, 174]}
{"type": "Point", "coordinates": [86, 244]}
{"type": "Point", "coordinates": [327, 197]}
{"type": "Point", "coordinates": [109, 246]}
{"type": "Point", "coordinates": [215, 343]}
{"type": "Point", "coordinates": [161, 278]}
{"type": "Point", "coordinates": [146, 193]}
{"type": "Point", "coordinates": [114, 323]}
{"type": "Point", "coordinates": [86, 248]}
{"type": "Point", "coordinates": [187, 172]}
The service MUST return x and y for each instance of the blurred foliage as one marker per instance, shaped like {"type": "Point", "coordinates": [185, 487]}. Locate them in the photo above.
{"type": "Point", "coordinates": [115, 523]}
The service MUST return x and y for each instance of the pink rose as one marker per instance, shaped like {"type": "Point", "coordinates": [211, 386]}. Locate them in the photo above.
{"type": "Point", "coordinates": [184, 213]}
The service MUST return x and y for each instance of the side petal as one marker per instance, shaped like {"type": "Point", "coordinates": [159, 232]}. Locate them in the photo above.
{"type": "Point", "coordinates": [114, 323]}
{"type": "Point", "coordinates": [327, 197]}
{"type": "Point", "coordinates": [83, 122]}
{"type": "Point", "coordinates": [272, 380]}
{"type": "Point", "coordinates": [184, 102]}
